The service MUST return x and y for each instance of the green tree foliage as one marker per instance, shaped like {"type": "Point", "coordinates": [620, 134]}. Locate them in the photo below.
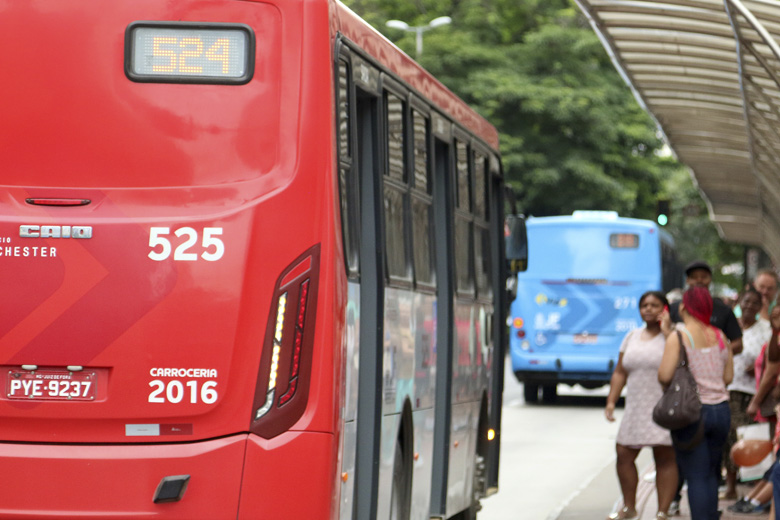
{"type": "Point", "coordinates": [572, 134]}
{"type": "Point", "coordinates": [694, 234]}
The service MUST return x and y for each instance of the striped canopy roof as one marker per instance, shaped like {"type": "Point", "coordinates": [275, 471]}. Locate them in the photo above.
{"type": "Point", "coordinates": [708, 71]}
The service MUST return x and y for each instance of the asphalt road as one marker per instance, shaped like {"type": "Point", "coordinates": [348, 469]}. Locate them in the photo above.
{"type": "Point", "coordinates": [556, 458]}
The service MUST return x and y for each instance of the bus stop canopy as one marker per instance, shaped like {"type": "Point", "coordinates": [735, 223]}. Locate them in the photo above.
{"type": "Point", "coordinates": [708, 71]}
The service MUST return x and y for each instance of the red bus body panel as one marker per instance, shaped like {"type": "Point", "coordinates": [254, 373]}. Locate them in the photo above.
{"type": "Point", "coordinates": [236, 181]}
{"type": "Point", "coordinates": [291, 489]}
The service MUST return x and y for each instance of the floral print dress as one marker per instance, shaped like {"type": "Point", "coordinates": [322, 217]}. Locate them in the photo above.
{"type": "Point", "coordinates": [641, 359]}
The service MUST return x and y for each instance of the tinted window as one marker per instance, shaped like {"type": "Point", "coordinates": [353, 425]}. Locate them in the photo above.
{"type": "Point", "coordinates": [482, 260]}
{"type": "Point", "coordinates": [347, 176]}
{"type": "Point", "coordinates": [343, 111]}
{"type": "Point", "coordinates": [394, 233]}
{"type": "Point", "coordinates": [421, 172]}
{"type": "Point", "coordinates": [480, 188]}
{"type": "Point", "coordinates": [395, 137]}
{"type": "Point", "coordinates": [422, 240]}
{"type": "Point", "coordinates": [464, 182]}
{"type": "Point", "coordinates": [463, 254]}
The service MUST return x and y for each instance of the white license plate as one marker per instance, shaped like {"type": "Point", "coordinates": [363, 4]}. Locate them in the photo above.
{"type": "Point", "coordinates": [51, 385]}
{"type": "Point", "coordinates": [585, 339]}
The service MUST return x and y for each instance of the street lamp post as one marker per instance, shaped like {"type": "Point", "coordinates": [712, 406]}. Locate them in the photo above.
{"type": "Point", "coordinates": [419, 29]}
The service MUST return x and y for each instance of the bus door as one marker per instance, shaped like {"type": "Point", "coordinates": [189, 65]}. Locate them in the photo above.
{"type": "Point", "coordinates": [501, 257]}
{"type": "Point", "coordinates": [443, 223]}
{"type": "Point", "coordinates": [367, 169]}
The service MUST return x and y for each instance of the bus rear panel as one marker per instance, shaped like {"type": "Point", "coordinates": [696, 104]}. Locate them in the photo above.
{"type": "Point", "coordinates": [579, 298]}
{"type": "Point", "coordinates": [159, 355]}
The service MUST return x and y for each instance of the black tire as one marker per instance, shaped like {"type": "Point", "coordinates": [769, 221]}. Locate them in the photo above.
{"type": "Point", "coordinates": [400, 504]}
{"type": "Point", "coordinates": [550, 393]}
{"type": "Point", "coordinates": [531, 392]}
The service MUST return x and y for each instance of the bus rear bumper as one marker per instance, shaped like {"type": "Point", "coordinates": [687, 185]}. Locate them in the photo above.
{"type": "Point", "coordinates": [569, 370]}
{"type": "Point", "coordinates": [241, 476]}
{"type": "Point", "coordinates": [121, 481]}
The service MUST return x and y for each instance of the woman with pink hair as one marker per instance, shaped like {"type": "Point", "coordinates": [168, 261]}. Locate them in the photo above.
{"type": "Point", "coordinates": [699, 447]}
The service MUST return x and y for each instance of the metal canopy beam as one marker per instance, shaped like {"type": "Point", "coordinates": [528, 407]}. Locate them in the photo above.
{"type": "Point", "coordinates": [708, 71]}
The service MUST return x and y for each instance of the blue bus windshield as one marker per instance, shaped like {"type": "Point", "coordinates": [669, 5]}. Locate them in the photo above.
{"type": "Point", "coordinates": [595, 251]}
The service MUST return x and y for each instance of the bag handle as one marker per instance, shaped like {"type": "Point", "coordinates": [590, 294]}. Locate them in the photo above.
{"type": "Point", "coordinates": [683, 354]}
{"type": "Point", "coordinates": [699, 434]}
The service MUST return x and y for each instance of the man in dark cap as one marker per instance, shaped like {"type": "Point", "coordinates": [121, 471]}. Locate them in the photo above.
{"type": "Point", "coordinates": [699, 274]}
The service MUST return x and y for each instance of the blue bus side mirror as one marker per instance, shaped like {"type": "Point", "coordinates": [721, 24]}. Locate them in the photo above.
{"type": "Point", "coordinates": [516, 238]}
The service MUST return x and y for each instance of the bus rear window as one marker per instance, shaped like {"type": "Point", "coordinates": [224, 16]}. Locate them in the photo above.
{"type": "Point", "coordinates": [624, 240]}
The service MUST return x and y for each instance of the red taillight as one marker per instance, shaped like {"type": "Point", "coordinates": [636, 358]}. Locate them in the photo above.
{"type": "Point", "coordinates": [296, 357]}
{"type": "Point", "coordinates": [286, 361]}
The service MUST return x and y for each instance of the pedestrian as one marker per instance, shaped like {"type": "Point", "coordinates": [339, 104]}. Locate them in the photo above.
{"type": "Point", "coordinates": [710, 361]}
{"type": "Point", "coordinates": [767, 384]}
{"type": "Point", "coordinates": [774, 474]}
{"type": "Point", "coordinates": [755, 333]}
{"type": "Point", "coordinates": [637, 370]}
{"type": "Point", "coordinates": [699, 274]}
{"type": "Point", "coordinates": [759, 500]}
{"type": "Point", "coordinates": [766, 283]}
{"type": "Point", "coordinates": [767, 368]}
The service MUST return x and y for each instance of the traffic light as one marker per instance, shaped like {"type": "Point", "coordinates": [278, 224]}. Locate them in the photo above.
{"type": "Point", "coordinates": [662, 212]}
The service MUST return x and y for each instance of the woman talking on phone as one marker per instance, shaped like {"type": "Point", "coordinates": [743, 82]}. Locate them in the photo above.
{"type": "Point", "coordinates": [711, 363]}
{"type": "Point", "coordinates": [637, 369]}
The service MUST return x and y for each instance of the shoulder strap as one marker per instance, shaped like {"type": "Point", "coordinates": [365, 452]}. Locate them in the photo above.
{"type": "Point", "coordinates": [699, 434]}
{"type": "Point", "coordinates": [690, 337]}
{"type": "Point", "coordinates": [683, 355]}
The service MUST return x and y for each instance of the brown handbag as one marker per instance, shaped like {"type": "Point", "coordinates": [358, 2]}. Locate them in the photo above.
{"type": "Point", "coordinates": [680, 405]}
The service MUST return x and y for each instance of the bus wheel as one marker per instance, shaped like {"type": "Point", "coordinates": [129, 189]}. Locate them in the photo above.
{"type": "Point", "coordinates": [550, 393]}
{"type": "Point", "coordinates": [399, 496]}
{"type": "Point", "coordinates": [530, 392]}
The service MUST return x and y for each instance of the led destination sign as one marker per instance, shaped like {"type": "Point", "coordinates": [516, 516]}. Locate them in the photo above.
{"type": "Point", "coordinates": [189, 53]}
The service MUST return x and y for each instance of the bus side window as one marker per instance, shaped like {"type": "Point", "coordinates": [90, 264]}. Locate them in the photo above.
{"type": "Point", "coordinates": [396, 189]}
{"type": "Point", "coordinates": [464, 233]}
{"type": "Point", "coordinates": [422, 202]}
{"type": "Point", "coordinates": [348, 178]}
{"type": "Point", "coordinates": [464, 180]}
{"type": "Point", "coordinates": [482, 257]}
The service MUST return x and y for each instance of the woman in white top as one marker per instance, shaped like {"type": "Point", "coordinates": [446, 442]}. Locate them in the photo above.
{"type": "Point", "coordinates": [755, 332]}
{"type": "Point", "coordinates": [711, 363]}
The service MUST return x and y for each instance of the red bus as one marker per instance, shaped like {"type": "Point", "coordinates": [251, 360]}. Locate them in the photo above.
{"type": "Point", "coordinates": [251, 259]}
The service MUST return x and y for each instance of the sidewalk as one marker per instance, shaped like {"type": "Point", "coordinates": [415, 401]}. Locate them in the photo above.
{"type": "Point", "coordinates": [647, 501]}
{"type": "Point", "coordinates": [601, 496]}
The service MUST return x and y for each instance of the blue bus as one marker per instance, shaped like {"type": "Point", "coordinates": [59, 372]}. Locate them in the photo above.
{"type": "Point", "coordinates": [579, 296]}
